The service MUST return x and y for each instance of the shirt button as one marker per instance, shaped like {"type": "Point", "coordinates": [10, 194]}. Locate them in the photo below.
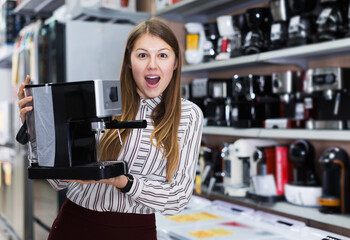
{"type": "Point", "coordinates": [144, 101]}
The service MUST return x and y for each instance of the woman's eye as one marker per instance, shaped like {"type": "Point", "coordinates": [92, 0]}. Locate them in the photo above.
{"type": "Point", "coordinates": [163, 55]}
{"type": "Point", "coordinates": [142, 55]}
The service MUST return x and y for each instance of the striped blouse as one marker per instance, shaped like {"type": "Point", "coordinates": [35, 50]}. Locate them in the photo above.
{"type": "Point", "coordinates": [150, 192]}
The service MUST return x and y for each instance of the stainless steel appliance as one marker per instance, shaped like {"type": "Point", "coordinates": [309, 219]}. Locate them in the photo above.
{"type": "Point", "coordinates": [330, 98]}
{"type": "Point", "coordinates": [279, 27]}
{"type": "Point", "coordinates": [64, 129]}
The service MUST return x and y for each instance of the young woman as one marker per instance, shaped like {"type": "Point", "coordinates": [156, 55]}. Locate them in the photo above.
{"type": "Point", "coordinates": [161, 158]}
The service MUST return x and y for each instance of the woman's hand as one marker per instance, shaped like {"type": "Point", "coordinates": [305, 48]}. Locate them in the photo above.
{"type": "Point", "coordinates": [23, 100]}
{"type": "Point", "coordinates": [119, 182]}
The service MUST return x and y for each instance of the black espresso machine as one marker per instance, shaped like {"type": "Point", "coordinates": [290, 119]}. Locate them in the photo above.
{"type": "Point", "coordinates": [65, 126]}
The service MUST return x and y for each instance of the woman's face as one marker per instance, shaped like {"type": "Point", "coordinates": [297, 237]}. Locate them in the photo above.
{"type": "Point", "coordinates": [153, 62]}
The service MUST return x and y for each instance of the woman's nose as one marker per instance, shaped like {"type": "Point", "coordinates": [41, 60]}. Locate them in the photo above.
{"type": "Point", "coordinates": [152, 62]}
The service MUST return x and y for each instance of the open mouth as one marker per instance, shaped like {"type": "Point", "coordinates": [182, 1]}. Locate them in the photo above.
{"type": "Point", "coordinates": [152, 80]}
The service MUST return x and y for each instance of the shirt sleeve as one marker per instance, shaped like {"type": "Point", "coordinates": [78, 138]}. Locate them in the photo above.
{"type": "Point", "coordinates": [58, 184]}
{"type": "Point", "coordinates": [171, 198]}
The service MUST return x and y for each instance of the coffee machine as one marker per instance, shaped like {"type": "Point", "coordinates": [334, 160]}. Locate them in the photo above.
{"type": "Point", "coordinates": [252, 100]}
{"type": "Point", "coordinates": [218, 103]}
{"type": "Point", "coordinates": [279, 27]}
{"type": "Point", "coordinates": [211, 43]}
{"type": "Point", "coordinates": [258, 37]}
{"type": "Point", "coordinates": [331, 22]}
{"type": "Point", "coordinates": [305, 188]}
{"type": "Point", "coordinates": [243, 165]}
{"type": "Point", "coordinates": [288, 86]}
{"type": "Point", "coordinates": [227, 38]}
{"type": "Point", "coordinates": [235, 181]}
{"type": "Point", "coordinates": [198, 92]}
{"type": "Point", "coordinates": [195, 39]}
{"type": "Point", "coordinates": [301, 27]}
{"type": "Point", "coordinates": [65, 126]}
{"type": "Point", "coordinates": [240, 29]}
{"type": "Point", "coordinates": [329, 90]}
{"type": "Point", "coordinates": [335, 183]}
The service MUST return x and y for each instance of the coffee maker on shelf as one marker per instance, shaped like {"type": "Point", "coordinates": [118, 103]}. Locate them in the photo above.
{"type": "Point", "coordinates": [288, 86]}
{"type": "Point", "coordinates": [258, 37]}
{"type": "Point", "coordinates": [195, 39]}
{"type": "Point", "coordinates": [331, 22]}
{"type": "Point", "coordinates": [305, 188]}
{"type": "Point", "coordinates": [240, 165]}
{"type": "Point", "coordinates": [198, 92]}
{"type": "Point", "coordinates": [279, 27]}
{"type": "Point", "coordinates": [211, 43]}
{"type": "Point", "coordinates": [240, 28]}
{"type": "Point", "coordinates": [329, 90]}
{"type": "Point", "coordinates": [227, 40]}
{"type": "Point", "coordinates": [218, 103]}
{"type": "Point", "coordinates": [64, 129]}
{"type": "Point", "coordinates": [301, 29]}
{"type": "Point", "coordinates": [335, 196]}
{"type": "Point", "coordinates": [252, 101]}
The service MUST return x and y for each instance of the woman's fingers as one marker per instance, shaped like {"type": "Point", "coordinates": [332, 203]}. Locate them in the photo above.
{"type": "Point", "coordinates": [20, 93]}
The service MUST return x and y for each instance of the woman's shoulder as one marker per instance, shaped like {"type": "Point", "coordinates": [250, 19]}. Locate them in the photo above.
{"type": "Point", "coordinates": [189, 108]}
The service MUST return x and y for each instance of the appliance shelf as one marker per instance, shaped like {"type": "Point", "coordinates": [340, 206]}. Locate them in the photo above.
{"type": "Point", "coordinates": [104, 13]}
{"type": "Point", "coordinates": [299, 55]}
{"type": "Point", "coordinates": [327, 135]}
{"type": "Point", "coordinates": [202, 10]}
{"type": "Point", "coordinates": [38, 7]}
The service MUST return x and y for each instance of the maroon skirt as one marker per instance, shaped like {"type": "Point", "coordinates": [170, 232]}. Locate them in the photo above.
{"type": "Point", "coordinates": [76, 222]}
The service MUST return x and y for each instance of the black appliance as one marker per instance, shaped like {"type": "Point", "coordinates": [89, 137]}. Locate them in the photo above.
{"type": "Point", "coordinates": [210, 46]}
{"type": "Point", "coordinates": [331, 22]}
{"type": "Point", "coordinates": [217, 104]}
{"type": "Point", "coordinates": [330, 98]}
{"type": "Point", "coordinates": [198, 92]}
{"type": "Point", "coordinates": [240, 28]}
{"type": "Point", "coordinates": [301, 28]}
{"type": "Point", "coordinates": [252, 101]}
{"type": "Point", "coordinates": [257, 38]}
{"type": "Point", "coordinates": [302, 155]}
{"type": "Point", "coordinates": [64, 129]}
{"type": "Point", "coordinates": [335, 183]}
{"type": "Point", "coordinates": [279, 27]}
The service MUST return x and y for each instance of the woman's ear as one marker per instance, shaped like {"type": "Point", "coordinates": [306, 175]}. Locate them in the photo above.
{"type": "Point", "coordinates": [175, 65]}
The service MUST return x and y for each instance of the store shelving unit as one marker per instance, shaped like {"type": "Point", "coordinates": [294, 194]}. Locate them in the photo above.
{"type": "Point", "coordinates": [38, 7]}
{"type": "Point", "coordinates": [205, 10]}
{"type": "Point", "coordinates": [103, 13]}
{"type": "Point", "coordinates": [294, 55]}
{"type": "Point", "coordinates": [326, 135]}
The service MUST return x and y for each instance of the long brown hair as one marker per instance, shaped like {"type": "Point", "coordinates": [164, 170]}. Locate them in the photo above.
{"type": "Point", "coordinates": [165, 116]}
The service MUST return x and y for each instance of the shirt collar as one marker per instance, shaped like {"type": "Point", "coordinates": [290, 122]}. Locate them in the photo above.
{"type": "Point", "coordinates": [151, 102]}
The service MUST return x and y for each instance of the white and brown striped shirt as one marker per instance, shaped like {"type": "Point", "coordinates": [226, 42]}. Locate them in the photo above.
{"type": "Point", "coordinates": [150, 191]}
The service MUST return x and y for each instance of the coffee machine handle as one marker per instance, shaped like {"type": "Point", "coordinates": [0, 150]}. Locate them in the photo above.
{"type": "Point", "coordinates": [22, 135]}
{"type": "Point", "coordinates": [115, 124]}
